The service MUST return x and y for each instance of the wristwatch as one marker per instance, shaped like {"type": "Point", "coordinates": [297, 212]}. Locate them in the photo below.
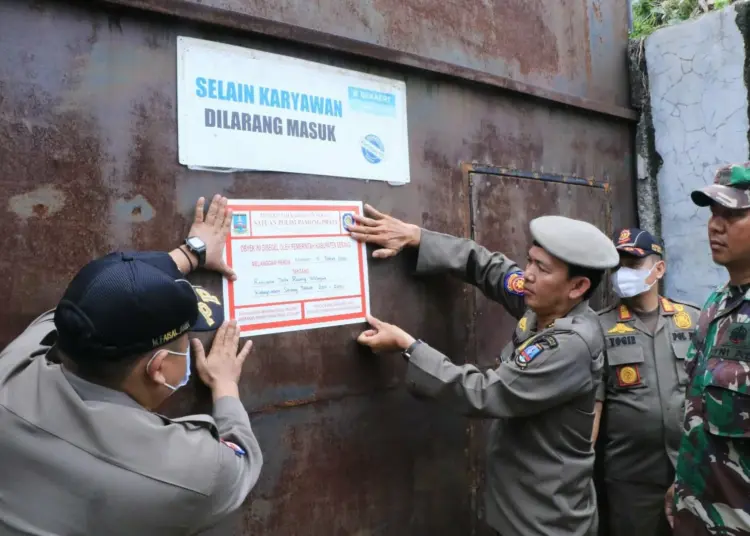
{"type": "Point", "coordinates": [410, 350]}
{"type": "Point", "coordinates": [197, 247]}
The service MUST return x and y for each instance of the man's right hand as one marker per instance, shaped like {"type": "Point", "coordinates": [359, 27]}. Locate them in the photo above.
{"type": "Point", "coordinates": [221, 370]}
{"type": "Point", "coordinates": [390, 234]}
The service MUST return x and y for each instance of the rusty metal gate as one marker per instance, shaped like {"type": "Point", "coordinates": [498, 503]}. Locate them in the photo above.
{"type": "Point", "coordinates": [88, 163]}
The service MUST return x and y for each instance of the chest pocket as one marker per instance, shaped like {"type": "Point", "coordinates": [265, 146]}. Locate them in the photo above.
{"type": "Point", "coordinates": [726, 401]}
{"type": "Point", "coordinates": [680, 349]}
{"type": "Point", "coordinates": [625, 370]}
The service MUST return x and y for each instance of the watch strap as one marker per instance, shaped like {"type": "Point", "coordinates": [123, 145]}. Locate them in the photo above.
{"type": "Point", "coordinates": [410, 350]}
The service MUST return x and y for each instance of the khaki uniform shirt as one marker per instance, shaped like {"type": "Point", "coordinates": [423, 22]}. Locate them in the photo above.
{"type": "Point", "coordinates": [79, 459]}
{"type": "Point", "coordinates": [540, 457]}
{"type": "Point", "coordinates": [644, 391]}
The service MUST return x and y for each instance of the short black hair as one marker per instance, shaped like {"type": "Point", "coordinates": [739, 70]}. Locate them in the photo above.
{"type": "Point", "coordinates": [594, 275]}
{"type": "Point", "coordinates": [108, 373]}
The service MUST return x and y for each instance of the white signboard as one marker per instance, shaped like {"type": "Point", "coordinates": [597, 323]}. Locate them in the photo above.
{"type": "Point", "coordinates": [244, 109]}
{"type": "Point", "coordinates": [297, 267]}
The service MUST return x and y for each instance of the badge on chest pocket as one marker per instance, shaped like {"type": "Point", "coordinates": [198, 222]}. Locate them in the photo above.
{"type": "Point", "coordinates": [626, 367]}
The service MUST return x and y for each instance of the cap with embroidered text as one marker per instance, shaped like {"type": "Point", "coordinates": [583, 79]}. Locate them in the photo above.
{"type": "Point", "coordinates": [574, 242]}
{"type": "Point", "coordinates": [125, 304]}
{"type": "Point", "coordinates": [731, 188]}
{"type": "Point", "coordinates": [637, 242]}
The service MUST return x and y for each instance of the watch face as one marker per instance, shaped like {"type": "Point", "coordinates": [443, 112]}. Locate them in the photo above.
{"type": "Point", "coordinates": [195, 242]}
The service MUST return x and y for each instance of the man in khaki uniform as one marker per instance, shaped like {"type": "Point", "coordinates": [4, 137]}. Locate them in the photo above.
{"type": "Point", "coordinates": [80, 451]}
{"type": "Point", "coordinates": [541, 396]}
{"type": "Point", "coordinates": [643, 389]}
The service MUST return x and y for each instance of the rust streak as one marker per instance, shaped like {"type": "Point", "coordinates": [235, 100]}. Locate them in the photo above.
{"type": "Point", "coordinates": [287, 404]}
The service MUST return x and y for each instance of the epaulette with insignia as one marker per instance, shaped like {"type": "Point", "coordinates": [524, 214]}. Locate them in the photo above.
{"type": "Point", "coordinates": [684, 303]}
{"type": "Point", "coordinates": [607, 309]}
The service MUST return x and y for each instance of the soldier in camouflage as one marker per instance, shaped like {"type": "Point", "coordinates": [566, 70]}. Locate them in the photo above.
{"type": "Point", "coordinates": [712, 484]}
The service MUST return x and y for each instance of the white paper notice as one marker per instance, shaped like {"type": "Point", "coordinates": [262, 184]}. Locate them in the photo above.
{"type": "Point", "coordinates": [297, 267]}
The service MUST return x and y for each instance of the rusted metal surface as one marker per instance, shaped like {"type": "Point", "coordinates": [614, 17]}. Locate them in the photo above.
{"type": "Point", "coordinates": [88, 163]}
{"type": "Point", "coordinates": [569, 52]}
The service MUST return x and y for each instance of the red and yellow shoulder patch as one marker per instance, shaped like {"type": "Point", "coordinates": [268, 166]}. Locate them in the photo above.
{"type": "Point", "coordinates": [514, 283]}
{"type": "Point", "coordinates": [667, 305]}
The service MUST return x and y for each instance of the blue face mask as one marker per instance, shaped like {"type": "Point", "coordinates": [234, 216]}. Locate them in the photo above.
{"type": "Point", "coordinates": [186, 377]}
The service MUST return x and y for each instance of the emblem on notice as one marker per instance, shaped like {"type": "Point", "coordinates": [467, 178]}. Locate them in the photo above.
{"type": "Point", "coordinates": [239, 223]}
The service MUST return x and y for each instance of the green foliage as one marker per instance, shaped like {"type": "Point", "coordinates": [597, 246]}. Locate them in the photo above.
{"type": "Point", "coordinates": [650, 15]}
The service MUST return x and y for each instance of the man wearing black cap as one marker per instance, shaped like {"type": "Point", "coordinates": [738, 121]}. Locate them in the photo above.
{"type": "Point", "coordinates": [80, 450]}
{"type": "Point", "coordinates": [643, 389]}
{"type": "Point", "coordinates": [541, 396]}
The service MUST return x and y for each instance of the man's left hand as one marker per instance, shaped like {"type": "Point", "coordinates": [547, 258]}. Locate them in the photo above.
{"type": "Point", "coordinates": [213, 229]}
{"type": "Point", "coordinates": [384, 337]}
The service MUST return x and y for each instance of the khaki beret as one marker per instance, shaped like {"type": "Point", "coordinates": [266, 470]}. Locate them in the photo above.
{"type": "Point", "coordinates": [575, 242]}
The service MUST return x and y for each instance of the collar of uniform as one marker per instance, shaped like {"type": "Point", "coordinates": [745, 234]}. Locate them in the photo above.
{"type": "Point", "coordinates": [89, 391]}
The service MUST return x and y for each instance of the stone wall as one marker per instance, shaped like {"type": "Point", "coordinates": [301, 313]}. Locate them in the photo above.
{"type": "Point", "coordinates": [689, 84]}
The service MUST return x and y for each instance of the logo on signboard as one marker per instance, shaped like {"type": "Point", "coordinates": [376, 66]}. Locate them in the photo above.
{"type": "Point", "coordinates": [239, 223]}
{"type": "Point", "coordinates": [373, 149]}
{"type": "Point", "coordinates": [347, 219]}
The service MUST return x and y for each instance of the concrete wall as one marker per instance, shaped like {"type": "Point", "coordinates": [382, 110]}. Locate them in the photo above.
{"type": "Point", "coordinates": [698, 102]}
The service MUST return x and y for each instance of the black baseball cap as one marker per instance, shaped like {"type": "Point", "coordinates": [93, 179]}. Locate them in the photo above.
{"type": "Point", "coordinates": [125, 304]}
{"type": "Point", "coordinates": [638, 243]}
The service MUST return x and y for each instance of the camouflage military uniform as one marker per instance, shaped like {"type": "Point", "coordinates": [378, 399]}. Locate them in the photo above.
{"type": "Point", "coordinates": [712, 485]}
{"type": "Point", "coordinates": [713, 472]}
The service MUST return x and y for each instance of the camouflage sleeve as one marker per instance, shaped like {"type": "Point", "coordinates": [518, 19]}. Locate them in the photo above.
{"type": "Point", "coordinates": [697, 336]}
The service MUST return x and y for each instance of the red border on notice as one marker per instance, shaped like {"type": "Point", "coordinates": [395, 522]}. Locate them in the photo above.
{"type": "Point", "coordinates": [249, 208]}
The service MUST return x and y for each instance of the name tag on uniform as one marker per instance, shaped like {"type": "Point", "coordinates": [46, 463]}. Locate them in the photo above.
{"type": "Point", "coordinates": [626, 340]}
{"type": "Point", "coordinates": [734, 344]}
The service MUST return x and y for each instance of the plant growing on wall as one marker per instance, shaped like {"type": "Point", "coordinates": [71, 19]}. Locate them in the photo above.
{"type": "Point", "coordinates": [650, 15]}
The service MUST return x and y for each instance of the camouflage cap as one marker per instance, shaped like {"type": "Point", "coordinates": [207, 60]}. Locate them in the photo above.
{"type": "Point", "coordinates": [731, 188]}
{"type": "Point", "coordinates": [575, 242]}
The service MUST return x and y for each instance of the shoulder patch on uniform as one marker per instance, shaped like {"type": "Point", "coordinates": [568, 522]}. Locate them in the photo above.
{"type": "Point", "coordinates": [682, 320]}
{"type": "Point", "coordinates": [514, 282]}
{"type": "Point", "coordinates": [528, 354]}
{"type": "Point", "coordinates": [239, 451]}
{"type": "Point", "coordinates": [522, 324]}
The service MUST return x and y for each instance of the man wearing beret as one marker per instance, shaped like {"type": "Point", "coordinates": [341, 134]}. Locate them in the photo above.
{"type": "Point", "coordinates": [81, 452]}
{"type": "Point", "coordinates": [643, 389]}
{"type": "Point", "coordinates": [712, 484]}
{"type": "Point", "coordinates": [540, 457]}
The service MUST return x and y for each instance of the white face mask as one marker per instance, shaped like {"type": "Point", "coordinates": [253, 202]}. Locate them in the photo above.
{"type": "Point", "coordinates": [629, 282]}
{"type": "Point", "coordinates": [185, 378]}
